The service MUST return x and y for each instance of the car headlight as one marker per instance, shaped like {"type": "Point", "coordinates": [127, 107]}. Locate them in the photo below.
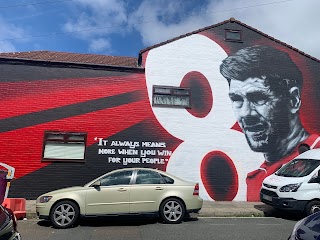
{"type": "Point", "coordinates": [290, 187]}
{"type": "Point", "coordinates": [44, 199]}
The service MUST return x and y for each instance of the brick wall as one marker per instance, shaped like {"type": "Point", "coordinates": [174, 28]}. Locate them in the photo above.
{"type": "Point", "coordinates": [203, 144]}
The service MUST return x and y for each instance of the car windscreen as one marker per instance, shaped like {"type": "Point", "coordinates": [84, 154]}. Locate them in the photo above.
{"type": "Point", "coordinates": [298, 168]}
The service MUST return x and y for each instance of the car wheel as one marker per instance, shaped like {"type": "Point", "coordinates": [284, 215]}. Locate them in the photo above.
{"type": "Point", "coordinates": [172, 210]}
{"type": "Point", "coordinates": [312, 207]}
{"type": "Point", "coordinates": [64, 214]}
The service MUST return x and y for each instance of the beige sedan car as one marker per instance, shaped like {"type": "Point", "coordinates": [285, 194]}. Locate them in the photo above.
{"type": "Point", "coordinates": [121, 192]}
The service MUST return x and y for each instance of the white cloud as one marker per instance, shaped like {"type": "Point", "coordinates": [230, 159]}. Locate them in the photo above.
{"type": "Point", "coordinates": [99, 45]}
{"type": "Point", "coordinates": [95, 21]}
{"type": "Point", "coordinates": [6, 46]}
{"type": "Point", "coordinates": [151, 18]}
{"type": "Point", "coordinates": [294, 22]}
{"type": "Point", "coordinates": [9, 31]}
{"type": "Point", "coordinates": [96, 18]}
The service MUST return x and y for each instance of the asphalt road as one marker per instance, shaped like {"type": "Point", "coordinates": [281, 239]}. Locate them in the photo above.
{"type": "Point", "coordinates": [150, 229]}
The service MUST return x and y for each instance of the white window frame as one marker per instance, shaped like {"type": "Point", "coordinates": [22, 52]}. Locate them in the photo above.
{"type": "Point", "coordinates": [64, 146]}
{"type": "Point", "coordinates": [169, 96]}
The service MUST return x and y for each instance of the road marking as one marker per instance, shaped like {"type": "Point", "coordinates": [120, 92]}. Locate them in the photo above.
{"type": "Point", "coordinates": [242, 217]}
{"type": "Point", "coordinates": [269, 224]}
{"type": "Point", "coordinates": [222, 224]}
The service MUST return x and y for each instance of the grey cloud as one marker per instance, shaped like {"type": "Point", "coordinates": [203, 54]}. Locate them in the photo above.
{"type": "Point", "coordinates": [293, 22]}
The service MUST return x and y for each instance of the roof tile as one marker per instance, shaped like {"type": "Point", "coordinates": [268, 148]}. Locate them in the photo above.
{"type": "Point", "coordinates": [73, 58]}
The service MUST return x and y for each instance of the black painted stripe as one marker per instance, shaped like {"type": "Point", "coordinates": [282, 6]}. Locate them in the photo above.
{"type": "Point", "coordinates": [76, 109]}
{"type": "Point", "coordinates": [15, 73]}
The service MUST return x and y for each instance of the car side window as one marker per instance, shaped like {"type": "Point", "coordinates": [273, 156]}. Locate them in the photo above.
{"type": "Point", "coordinates": [167, 180]}
{"type": "Point", "coordinates": [148, 177]}
{"type": "Point", "coordinates": [117, 178]}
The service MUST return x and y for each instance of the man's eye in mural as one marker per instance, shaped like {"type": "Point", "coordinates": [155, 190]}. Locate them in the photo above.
{"type": "Point", "coordinates": [256, 98]}
{"type": "Point", "coordinates": [237, 100]}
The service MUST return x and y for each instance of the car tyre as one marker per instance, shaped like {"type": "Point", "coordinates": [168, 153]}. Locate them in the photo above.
{"type": "Point", "coordinates": [312, 207]}
{"type": "Point", "coordinates": [64, 214]}
{"type": "Point", "coordinates": [172, 211]}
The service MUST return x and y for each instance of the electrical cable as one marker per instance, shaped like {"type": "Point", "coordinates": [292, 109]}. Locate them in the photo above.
{"type": "Point", "coordinates": [127, 24]}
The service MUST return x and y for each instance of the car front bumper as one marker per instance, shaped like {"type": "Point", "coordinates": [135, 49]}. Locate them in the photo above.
{"type": "Point", "coordinates": [284, 203]}
{"type": "Point", "coordinates": [43, 210]}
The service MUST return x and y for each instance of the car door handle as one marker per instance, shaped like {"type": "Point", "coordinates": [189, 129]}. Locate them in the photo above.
{"type": "Point", "coordinates": [122, 189]}
{"type": "Point", "coordinates": [159, 188]}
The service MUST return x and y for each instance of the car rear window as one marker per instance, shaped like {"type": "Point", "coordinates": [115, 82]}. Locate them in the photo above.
{"type": "Point", "coordinates": [167, 180]}
{"type": "Point", "coordinates": [148, 177]}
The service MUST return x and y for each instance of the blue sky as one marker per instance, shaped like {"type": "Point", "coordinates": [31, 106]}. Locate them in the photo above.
{"type": "Point", "coordinates": [124, 27]}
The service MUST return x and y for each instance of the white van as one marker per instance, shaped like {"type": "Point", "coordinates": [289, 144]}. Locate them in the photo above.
{"type": "Point", "coordinates": [296, 185]}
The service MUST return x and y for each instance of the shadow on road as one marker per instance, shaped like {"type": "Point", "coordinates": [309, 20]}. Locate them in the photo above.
{"type": "Point", "coordinates": [116, 221]}
{"type": "Point", "coordinates": [277, 213]}
{"type": "Point", "coordinates": [44, 223]}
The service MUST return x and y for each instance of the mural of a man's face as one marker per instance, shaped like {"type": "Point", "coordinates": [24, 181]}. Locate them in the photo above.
{"type": "Point", "coordinates": [262, 115]}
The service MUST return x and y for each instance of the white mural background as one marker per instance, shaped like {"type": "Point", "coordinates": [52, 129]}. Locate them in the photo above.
{"type": "Point", "coordinates": [167, 65]}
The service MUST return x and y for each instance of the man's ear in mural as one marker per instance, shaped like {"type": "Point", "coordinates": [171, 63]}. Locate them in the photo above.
{"type": "Point", "coordinates": [295, 99]}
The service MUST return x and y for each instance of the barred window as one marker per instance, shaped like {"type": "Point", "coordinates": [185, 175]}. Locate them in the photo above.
{"type": "Point", "coordinates": [171, 96]}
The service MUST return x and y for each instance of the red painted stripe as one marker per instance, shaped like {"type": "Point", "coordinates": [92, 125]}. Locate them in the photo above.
{"type": "Point", "coordinates": [52, 95]}
{"type": "Point", "coordinates": [22, 148]}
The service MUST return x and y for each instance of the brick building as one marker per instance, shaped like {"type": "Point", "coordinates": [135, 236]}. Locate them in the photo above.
{"type": "Point", "coordinates": [67, 118]}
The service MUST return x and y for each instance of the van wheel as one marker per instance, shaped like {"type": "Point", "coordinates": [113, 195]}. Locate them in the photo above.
{"type": "Point", "coordinates": [312, 207]}
{"type": "Point", "coordinates": [172, 210]}
{"type": "Point", "coordinates": [64, 214]}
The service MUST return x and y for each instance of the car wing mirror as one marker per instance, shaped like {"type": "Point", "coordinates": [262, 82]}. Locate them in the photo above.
{"type": "Point", "coordinates": [96, 184]}
{"type": "Point", "coordinates": [315, 178]}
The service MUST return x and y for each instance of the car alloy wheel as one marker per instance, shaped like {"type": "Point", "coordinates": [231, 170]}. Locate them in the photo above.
{"type": "Point", "coordinates": [64, 214]}
{"type": "Point", "coordinates": [312, 207]}
{"type": "Point", "coordinates": [172, 210]}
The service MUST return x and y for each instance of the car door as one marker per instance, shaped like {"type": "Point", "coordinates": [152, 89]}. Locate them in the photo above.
{"type": "Point", "coordinates": [147, 191]}
{"type": "Point", "coordinates": [112, 196]}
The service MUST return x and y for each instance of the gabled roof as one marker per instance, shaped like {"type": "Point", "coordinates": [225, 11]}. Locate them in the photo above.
{"type": "Point", "coordinates": [65, 57]}
{"type": "Point", "coordinates": [119, 61]}
{"type": "Point", "coordinates": [224, 22]}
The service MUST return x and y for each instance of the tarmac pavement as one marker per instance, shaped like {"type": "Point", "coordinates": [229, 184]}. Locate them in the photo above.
{"type": "Point", "coordinates": [209, 209]}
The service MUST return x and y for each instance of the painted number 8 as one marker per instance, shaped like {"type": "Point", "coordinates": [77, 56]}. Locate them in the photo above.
{"type": "Point", "coordinates": [204, 137]}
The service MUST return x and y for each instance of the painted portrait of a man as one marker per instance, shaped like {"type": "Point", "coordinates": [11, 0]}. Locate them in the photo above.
{"type": "Point", "coordinates": [265, 88]}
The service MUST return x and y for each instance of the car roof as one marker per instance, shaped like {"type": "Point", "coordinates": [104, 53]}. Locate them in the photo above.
{"type": "Point", "coordinates": [153, 169]}
{"type": "Point", "coordinates": [177, 179]}
{"type": "Point", "coordinates": [310, 154]}
{"type": "Point", "coordinates": [139, 168]}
